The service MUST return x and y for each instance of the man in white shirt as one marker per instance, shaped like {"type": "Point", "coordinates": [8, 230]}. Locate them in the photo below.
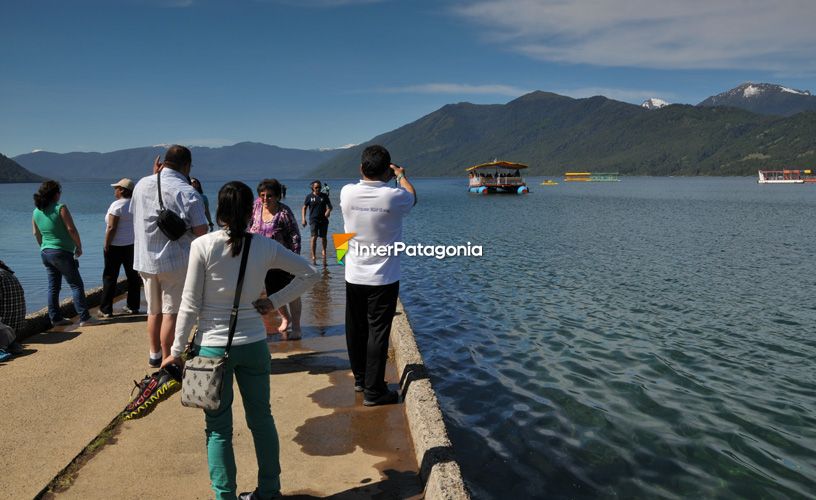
{"type": "Point", "coordinates": [373, 211]}
{"type": "Point", "coordinates": [162, 262]}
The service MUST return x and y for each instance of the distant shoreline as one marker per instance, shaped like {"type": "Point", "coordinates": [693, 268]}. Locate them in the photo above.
{"type": "Point", "coordinates": [348, 179]}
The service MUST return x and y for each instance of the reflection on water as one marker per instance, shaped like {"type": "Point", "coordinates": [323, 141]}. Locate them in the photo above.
{"type": "Point", "coordinates": [325, 310]}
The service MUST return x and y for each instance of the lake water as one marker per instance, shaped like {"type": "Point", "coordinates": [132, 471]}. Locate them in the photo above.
{"type": "Point", "coordinates": [652, 338]}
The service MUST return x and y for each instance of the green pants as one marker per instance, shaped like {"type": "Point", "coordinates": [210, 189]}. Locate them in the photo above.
{"type": "Point", "coordinates": [251, 365]}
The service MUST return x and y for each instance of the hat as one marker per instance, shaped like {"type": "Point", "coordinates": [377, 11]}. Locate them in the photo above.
{"type": "Point", "coordinates": [124, 183]}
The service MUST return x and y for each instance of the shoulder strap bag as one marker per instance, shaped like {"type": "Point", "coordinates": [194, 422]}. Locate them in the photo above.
{"type": "Point", "coordinates": [204, 376]}
{"type": "Point", "coordinates": [169, 222]}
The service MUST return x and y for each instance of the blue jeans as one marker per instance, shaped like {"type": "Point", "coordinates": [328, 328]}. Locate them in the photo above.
{"type": "Point", "coordinates": [59, 264]}
{"type": "Point", "coordinates": [251, 366]}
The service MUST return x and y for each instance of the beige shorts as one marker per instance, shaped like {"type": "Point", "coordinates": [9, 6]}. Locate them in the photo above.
{"type": "Point", "coordinates": [163, 291]}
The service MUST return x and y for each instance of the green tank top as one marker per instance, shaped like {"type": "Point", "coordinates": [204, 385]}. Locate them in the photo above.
{"type": "Point", "coordinates": [53, 230]}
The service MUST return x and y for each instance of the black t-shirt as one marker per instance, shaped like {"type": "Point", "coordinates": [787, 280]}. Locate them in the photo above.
{"type": "Point", "coordinates": [316, 205]}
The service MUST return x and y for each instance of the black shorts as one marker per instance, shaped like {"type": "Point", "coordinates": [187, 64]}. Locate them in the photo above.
{"type": "Point", "coordinates": [319, 227]}
{"type": "Point", "coordinates": [276, 279]}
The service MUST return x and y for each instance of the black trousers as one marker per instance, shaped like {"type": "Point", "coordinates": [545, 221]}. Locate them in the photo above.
{"type": "Point", "coordinates": [369, 312]}
{"type": "Point", "coordinates": [114, 258]}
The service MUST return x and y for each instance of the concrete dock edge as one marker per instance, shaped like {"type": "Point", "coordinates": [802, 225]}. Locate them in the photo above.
{"type": "Point", "coordinates": [434, 451]}
{"type": "Point", "coordinates": [38, 322]}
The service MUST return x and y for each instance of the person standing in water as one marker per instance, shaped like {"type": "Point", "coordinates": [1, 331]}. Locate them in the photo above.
{"type": "Point", "coordinates": [319, 206]}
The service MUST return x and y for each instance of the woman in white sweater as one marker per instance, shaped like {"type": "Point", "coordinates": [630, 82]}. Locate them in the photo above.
{"type": "Point", "coordinates": [212, 275]}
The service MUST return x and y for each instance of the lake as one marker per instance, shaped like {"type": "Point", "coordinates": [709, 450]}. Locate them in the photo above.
{"type": "Point", "coordinates": [652, 338]}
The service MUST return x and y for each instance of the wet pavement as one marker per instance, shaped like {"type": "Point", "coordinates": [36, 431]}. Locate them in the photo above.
{"type": "Point", "coordinates": [71, 384]}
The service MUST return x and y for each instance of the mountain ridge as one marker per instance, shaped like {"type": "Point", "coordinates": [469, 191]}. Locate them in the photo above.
{"type": "Point", "coordinates": [13, 172]}
{"type": "Point", "coordinates": [554, 133]}
{"type": "Point", "coordinates": [764, 99]}
{"type": "Point", "coordinates": [251, 159]}
{"type": "Point", "coordinates": [736, 132]}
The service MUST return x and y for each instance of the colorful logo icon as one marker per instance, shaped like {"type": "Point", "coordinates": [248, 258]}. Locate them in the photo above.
{"type": "Point", "coordinates": [341, 242]}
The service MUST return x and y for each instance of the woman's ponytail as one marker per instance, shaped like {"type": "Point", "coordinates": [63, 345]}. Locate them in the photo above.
{"type": "Point", "coordinates": [234, 212]}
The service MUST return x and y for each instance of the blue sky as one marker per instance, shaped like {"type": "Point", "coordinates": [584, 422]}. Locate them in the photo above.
{"type": "Point", "coordinates": [88, 75]}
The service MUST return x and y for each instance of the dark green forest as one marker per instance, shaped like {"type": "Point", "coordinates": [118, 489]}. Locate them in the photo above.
{"type": "Point", "coordinates": [11, 171]}
{"type": "Point", "coordinates": [554, 134]}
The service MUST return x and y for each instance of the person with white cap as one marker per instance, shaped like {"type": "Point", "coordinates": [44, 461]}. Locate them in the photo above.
{"type": "Point", "coordinates": [118, 251]}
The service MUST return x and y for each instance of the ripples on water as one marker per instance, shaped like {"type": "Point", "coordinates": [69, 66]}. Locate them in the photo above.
{"type": "Point", "coordinates": [651, 338]}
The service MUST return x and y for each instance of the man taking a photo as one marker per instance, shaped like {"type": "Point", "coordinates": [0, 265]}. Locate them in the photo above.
{"type": "Point", "coordinates": [373, 211]}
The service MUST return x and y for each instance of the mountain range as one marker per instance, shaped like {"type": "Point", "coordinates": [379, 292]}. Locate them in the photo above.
{"type": "Point", "coordinates": [753, 126]}
{"type": "Point", "coordinates": [554, 133]}
{"type": "Point", "coordinates": [247, 160]}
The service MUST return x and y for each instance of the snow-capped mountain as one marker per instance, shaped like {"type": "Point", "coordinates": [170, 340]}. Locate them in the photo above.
{"type": "Point", "coordinates": [765, 98]}
{"type": "Point", "coordinates": [654, 103]}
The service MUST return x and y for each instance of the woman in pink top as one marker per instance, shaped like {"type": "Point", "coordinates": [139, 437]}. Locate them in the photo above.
{"type": "Point", "coordinates": [273, 219]}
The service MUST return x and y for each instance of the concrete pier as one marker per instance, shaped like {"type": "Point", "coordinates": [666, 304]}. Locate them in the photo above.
{"type": "Point", "coordinates": [70, 384]}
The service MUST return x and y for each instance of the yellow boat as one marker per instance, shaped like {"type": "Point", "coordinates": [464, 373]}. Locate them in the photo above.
{"type": "Point", "coordinates": [591, 177]}
{"type": "Point", "coordinates": [549, 182]}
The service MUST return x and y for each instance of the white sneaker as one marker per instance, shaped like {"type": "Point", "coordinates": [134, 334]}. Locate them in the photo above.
{"type": "Point", "coordinates": [90, 322]}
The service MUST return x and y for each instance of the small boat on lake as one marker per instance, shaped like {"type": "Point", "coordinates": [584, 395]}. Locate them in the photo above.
{"type": "Point", "coordinates": [786, 177]}
{"type": "Point", "coordinates": [497, 176]}
{"type": "Point", "coordinates": [591, 177]}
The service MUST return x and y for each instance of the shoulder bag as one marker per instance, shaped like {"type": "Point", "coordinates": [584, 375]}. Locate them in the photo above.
{"type": "Point", "coordinates": [204, 376]}
{"type": "Point", "coordinates": [169, 222]}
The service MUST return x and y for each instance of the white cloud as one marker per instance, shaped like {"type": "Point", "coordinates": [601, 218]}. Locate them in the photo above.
{"type": "Point", "coordinates": [321, 3]}
{"type": "Point", "coordinates": [173, 4]}
{"type": "Point", "coordinates": [667, 34]}
{"type": "Point", "coordinates": [456, 88]}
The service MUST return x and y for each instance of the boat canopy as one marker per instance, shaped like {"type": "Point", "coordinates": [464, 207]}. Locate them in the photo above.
{"type": "Point", "coordinates": [498, 164]}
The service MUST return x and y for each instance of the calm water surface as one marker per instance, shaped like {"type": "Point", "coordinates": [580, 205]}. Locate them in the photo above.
{"type": "Point", "coordinates": [652, 338]}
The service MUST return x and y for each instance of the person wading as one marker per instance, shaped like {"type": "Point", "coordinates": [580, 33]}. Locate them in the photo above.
{"type": "Point", "coordinates": [320, 207]}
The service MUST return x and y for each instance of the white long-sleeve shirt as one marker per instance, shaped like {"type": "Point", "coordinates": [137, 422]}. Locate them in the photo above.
{"type": "Point", "coordinates": [209, 289]}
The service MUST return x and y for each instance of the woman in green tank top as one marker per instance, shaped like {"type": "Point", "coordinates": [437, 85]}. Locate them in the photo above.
{"type": "Point", "coordinates": [60, 248]}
